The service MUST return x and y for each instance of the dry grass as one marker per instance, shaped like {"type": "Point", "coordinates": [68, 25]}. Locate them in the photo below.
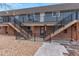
{"type": "Point", "coordinates": [74, 50]}
{"type": "Point", "coordinates": [11, 47]}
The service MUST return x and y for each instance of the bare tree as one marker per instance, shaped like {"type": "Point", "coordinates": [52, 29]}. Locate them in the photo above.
{"type": "Point", "coordinates": [5, 6]}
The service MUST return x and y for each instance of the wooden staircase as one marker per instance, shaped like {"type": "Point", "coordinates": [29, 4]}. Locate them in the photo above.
{"type": "Point", "coordinates": [21, 31]}
{"type": "Point", "coordinates": [61, 29]}
{"type": "Point", "coordinates": [67, 23]}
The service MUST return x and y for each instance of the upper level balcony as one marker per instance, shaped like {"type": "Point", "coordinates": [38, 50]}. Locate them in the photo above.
{"type": "Point", "coordinates": [38, 19]}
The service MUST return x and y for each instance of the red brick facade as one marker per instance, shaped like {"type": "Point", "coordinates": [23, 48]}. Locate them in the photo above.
{"type": "Point", "coordinates": [6, 30]}
{"type": "Point", "coordinates": [66, 34]}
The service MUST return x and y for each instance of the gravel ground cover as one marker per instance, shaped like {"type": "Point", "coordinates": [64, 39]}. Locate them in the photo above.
{"type": "Point", "coordinates": [11, 47]}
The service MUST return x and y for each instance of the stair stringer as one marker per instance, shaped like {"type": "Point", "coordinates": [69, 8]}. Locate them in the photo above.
{"type": "Point", "coordinates": [14, 27]}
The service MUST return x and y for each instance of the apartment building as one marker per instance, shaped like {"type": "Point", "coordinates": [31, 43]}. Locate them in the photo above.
{"type": "Point", "coordinates": [49, 22]}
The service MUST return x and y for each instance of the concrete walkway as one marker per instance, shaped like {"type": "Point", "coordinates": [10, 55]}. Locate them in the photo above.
{"type": "Point", "coordinates": [51, 49]}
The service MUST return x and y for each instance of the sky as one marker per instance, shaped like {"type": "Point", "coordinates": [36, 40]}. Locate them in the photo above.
{"type": "Point", "coordinates": [12, 6]}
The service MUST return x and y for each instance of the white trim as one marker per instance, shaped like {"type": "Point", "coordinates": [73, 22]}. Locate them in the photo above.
{"type": "Point", "coordinates": [58, 14]}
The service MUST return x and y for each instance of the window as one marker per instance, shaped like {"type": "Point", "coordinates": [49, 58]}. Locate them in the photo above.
{"type": "Point", "coordinates": [48, 13]}
{"type": "Point", "coordinates": [75, 28]}
{"type": "Point", "coordinates": [1, 19]}
{"type": "Point", "coordinates": [65, 31]}
{"type": "Point", "coordinates": [12, 19]}
{"type": "Point", "coordinates": [30, 17]}
{"type": "Point", "coordinates": [56, 14]}
{"type": "Point", "coordinates": [6, 18]}
{"type": "Point", "coordinates": [28, 28]}
{"type": "Point", "coordinates": [22, 18]}
{"type": "Point", "coordinates": [37, 17]}
{"type": "Point", "coordinates": [17, 17]}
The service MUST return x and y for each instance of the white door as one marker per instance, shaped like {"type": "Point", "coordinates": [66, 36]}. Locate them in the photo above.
{"type": "Point", "coordinates": [42, 17]}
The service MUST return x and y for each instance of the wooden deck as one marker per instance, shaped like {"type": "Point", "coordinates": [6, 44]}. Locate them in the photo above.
{"type": "Point", "coordinates": [38, 23]}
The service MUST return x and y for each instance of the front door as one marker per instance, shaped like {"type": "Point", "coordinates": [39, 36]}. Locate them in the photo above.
{"type": "Point", "coordinates": [42, 31]}
{"type": "Point", "coordinates": [29, 30]}
{"type": "Point", "coordinates": [6, 32]}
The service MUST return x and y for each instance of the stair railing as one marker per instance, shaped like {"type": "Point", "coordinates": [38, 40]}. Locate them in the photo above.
{"type": "Point", "coordinates": [18, 25]}
{"type": "Point", "coordinates": [63, 22]}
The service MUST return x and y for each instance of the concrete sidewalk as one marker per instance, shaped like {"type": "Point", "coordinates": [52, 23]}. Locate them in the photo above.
{"type": "Point", "coordinates": [51, 49]}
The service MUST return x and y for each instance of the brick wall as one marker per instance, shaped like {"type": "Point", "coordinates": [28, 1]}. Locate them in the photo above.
{"type": "Point", "coordinates": [2, 30]}
{"type": "Point", "coordinates": [36, 30]}
{"type": "Point", "coordinates": [6, 30]}
{"type": "Point", "coordinates": [10, 30]}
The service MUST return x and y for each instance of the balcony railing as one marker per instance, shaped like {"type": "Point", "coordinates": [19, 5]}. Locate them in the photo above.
{"type": "Point", "coordinates": [36, 18]}
{"type": "Point", "coordinates": [63, 22]}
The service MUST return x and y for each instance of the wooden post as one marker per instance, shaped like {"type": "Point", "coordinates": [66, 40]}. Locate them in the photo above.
{"type": "Point", "coordinates": [76, 31]}
{"type": "Point", "coordinates": [33, 32]}
{"type": "Point", "coordinates": [71, 33]}
{"type": "Point", "coordinates": [45, 30]}
{"type": "Point", "coordinates": [50, 38]}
